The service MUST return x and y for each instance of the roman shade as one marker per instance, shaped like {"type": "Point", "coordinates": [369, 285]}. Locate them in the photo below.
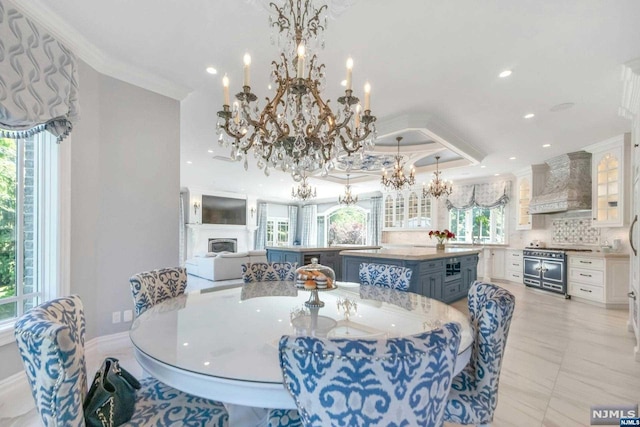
{"type": "Point", "coordinates": [38, 79]}
{"type": "Point", "coordinates": [486, 195]}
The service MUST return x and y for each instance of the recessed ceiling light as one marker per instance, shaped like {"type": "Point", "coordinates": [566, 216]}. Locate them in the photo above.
{"type": "Point", "coordinates": [206, 363]}
{"type": "Point", "coordinates": [189, 162]}
{"type": "Point", "coordinates": [269, 87]}
{"type": "Point", "coordinates": [512, 158]}
{"type": "Point", "coordinates": [546, 145]}
{"type": "Point", "coordinates": [505, 73]}
{"type": "Point", "coordinates": [483, 166]}
{"type": "Point", "coordinates": [212, 70]}
{"type": "Point", "coordinates": [496, 174]}
{"type": "Point", "coordinates": [343, 83]}
{"type": "Point", "coordinates": [209, 151]}
{"type": "Point", "coordinates": [563, 106]}
{"type": "Point", "coordinates": [529, 116]}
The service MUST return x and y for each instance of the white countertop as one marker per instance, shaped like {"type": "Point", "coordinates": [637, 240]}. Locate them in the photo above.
{"type": "Point", "coordinates": [319, 248]}
{"type": "Point", "coordinates": [413, 253]}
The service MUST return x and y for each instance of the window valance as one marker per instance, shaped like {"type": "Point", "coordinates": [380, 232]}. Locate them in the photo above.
{"type": "Point", "coordinates": [486, 195]}
{"type": "Point", "coordinates": [38, 79]}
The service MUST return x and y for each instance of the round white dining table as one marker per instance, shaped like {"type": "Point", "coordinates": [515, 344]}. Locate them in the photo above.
{"type": "Point", "coordinates": [223, 344]}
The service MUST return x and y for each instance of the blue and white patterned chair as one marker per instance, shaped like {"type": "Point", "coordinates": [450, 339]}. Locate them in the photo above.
{"type": "Point", "coordinates": [474, 393]}
{"type": "Point", "coordinates": [151, 287]}
{"type": "Point", "coordinates": [50, 338]}
{"type": "Point", "coordinates": [268, 271]}
{"type": "Point", "coordinates": [385, 275]}
{"type": "Point", "coordinates": [389, 382]}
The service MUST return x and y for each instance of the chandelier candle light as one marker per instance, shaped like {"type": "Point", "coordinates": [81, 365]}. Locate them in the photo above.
{"type": "Point", "coordinates": [304, 191]}
{"type": "Point", "coordinates": [398, 179]}
{"type": "Point", "coordinates": [438, 186]}
{"type": "Point", "coordinates": [348, 198]}
{"type": "Point", "coordinates": [296, 131]}
{"type": "Point", "coordinates": [442, 236]}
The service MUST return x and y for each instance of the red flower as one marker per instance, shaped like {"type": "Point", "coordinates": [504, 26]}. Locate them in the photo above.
{"type": "Point", "coordinates": [442, 235]}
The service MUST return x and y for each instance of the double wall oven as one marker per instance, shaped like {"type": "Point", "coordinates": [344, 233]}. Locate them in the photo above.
{"type": "Point", "coordinates": [545, 269]}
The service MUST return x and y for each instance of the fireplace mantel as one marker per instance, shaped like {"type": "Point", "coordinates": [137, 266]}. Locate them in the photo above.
{"type": "Point", "coordinates": [198, 236]}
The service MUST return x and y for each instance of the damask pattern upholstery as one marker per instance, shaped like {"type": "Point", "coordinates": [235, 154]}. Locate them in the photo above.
{"type": "Point", "coordinates": [50, 338]}
{"type": "Point", "coordinates": [268, 271]}
{"type": "Point", "coordinates": [284, 418]}
{"type": "Point", "coordinates": [385, 275]}
{"type": "Point", "coordinates": [388, 382]}
{"type": "Point", "coordinates": [151, 287]}
{"type": "Point", "coordinates": [474, 392]}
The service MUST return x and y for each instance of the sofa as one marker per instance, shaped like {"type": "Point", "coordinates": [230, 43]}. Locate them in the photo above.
{"type": "Point", "coordinates": [223, 265]}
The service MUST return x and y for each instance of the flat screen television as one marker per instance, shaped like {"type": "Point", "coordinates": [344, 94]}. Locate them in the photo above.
{"type": "Point", "coordinates": [224, 210]}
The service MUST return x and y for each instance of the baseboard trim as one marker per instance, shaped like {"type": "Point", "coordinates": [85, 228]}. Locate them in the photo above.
{"type": "Point", "coordinates": [16, 380]}
{"type": "Point", "coordinates": [105, 342]}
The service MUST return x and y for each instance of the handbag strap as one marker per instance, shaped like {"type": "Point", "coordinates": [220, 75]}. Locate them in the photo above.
{"type": "Point", "coordinates": [113, 365]}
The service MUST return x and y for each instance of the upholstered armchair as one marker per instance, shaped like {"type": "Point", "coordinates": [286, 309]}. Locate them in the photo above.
{"type": "Point", "coordinates": [397, 381]}
{"type": "Point", "coordinates": [268, 271]}
{"type": "Point", "coordinates": [474, 393]}
{"type": "Point", "coordinates": [151, 287]}
{"type": "Point", "coordinates": [50, 338]}
{"type": "Point", "coordinates": [385, 275]}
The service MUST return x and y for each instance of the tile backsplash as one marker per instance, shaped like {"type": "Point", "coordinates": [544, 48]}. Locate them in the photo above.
{"type": "Point", "coordinates": [576, 231]}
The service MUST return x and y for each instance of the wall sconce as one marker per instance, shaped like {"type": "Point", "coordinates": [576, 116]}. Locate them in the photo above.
{"type": "Point", "coordinates": [253, 212]}
{"type": "Point", "coordinates": [196, 206]}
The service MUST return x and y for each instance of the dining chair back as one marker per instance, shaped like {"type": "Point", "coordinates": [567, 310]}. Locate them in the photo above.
{"type": "Point", "coordinates": [268, 271]}
{"type": "Point", "coordinates": [360, 382]}
{"type": "Point", "coordinates": [50, 339]}
{"type": "Point", "coordinates": [152, 287]}
{"type": "Point", "coordinates": [474, 392]}
{"type": "Point", "coordinates": [385, 275]}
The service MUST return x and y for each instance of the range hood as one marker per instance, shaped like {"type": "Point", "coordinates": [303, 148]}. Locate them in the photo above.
{"type": "Point", "coordinates": [567, 186]}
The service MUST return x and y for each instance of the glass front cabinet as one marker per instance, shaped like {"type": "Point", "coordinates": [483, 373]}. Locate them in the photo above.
{"type": "Point", "coordinates": [408, 209]}
{"type": "Point", "coordinates": [609, 163]}
{"type": "Point", "coordinates": [529, 182]}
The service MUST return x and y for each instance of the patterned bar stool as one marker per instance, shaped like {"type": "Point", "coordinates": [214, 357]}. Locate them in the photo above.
{"type": "Point", "coordinates": [152, 287]}
{"type": "Point", "coordinates": [385, 275]}
{"type": "Point", "coordinates": [268, 271]}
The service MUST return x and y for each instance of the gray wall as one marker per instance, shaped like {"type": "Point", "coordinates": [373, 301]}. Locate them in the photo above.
{"type": "Point", "coordinates": [125, 186]}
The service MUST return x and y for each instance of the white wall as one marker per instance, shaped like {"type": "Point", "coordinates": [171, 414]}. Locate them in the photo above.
{"type": "Point", "coordinates": [125, 160]}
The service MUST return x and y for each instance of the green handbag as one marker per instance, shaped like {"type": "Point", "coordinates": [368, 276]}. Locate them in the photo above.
{"type": "Point", "coordinates": [112, 396]}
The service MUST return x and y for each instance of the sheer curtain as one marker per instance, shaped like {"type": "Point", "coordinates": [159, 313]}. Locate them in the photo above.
{"type": "Point", "coordinates": [181, 233]}
{"type": "Point", "coordinates": [261, 231]}
{"type": "Point", "coordinates": [293, 223]}
{"type": "Point", "coordinates": [375, 221]}
{"type": "Point", "coordinates": [309, 235]}
{"type": "Point", "coordinates": [39, 79]}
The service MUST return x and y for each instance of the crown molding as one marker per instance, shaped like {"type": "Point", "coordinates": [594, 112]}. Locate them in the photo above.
{"type": "Point", "coordinates": [39, 12]}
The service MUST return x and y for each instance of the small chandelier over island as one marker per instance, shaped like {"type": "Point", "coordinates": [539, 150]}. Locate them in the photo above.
{"type": "Point", "coordinates": [304, 191]}
{"type": "Point", "coordinates": [438, 186]}
{"type": "Point", "coordinates": [296, 131]}
{"type": "Point", "coordinates": [348, 199]}
{"type": "Point", "coordinates": [398, 179]}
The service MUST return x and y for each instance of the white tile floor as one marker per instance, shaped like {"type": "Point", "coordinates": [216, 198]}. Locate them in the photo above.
{"type": "Point", "coordinates": [562, 357]}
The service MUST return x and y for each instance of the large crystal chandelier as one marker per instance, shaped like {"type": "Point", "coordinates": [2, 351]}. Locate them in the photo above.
{"type": "Point", "coordinates": [438, 186]}
{"type": "Point", "coordinates": [398, 179]}
{"type": "Point", "coordinates": [348, 198]}
{"type": "Point", "coordinates": [304, 190]}
{"type": "Point", "coordinates": [296, 131]}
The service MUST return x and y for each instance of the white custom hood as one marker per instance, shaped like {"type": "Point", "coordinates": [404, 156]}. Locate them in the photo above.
{"type": "Point", "coordinates": [567, 185]}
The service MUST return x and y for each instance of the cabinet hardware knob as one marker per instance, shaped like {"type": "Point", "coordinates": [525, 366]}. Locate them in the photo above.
{"type": "Point", "coordinates": [632, 294]}
{"type": "Point", "coordinates": [586, 290]}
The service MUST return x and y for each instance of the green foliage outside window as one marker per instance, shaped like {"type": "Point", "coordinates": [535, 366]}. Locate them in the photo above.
{"type": "Point", "coordinates": [8, 184]}
{"type": "Point", "coordinates": [347, 226]}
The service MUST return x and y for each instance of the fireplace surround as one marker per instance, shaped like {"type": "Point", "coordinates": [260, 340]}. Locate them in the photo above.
{"type": "Point", "coordinates": [223, 244]}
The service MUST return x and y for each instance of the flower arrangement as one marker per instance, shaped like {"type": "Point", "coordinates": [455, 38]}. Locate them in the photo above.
{"type": "Point", "coordinates": [441, 235]}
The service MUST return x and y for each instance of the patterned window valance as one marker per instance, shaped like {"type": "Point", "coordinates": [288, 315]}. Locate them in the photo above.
{"type": "Point", "coordinates": [38, 79]}
{"type": "Point", "coordinates": [487, 195]}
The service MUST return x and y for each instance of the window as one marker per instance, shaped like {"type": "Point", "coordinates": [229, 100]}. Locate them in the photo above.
{"type": "Point", "coordinates": [480, 225]}
{"type": "Point", "coordinates": [277, 231]}
{"type": "Point", "coordinates": [344, 226]}
{"type": "Point", "coordinates": [28, 224]}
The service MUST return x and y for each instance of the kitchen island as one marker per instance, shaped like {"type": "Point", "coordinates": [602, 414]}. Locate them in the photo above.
{"type": "Point", "coordinates": [442, 275]}
{"type": "Point", "coordinates": [327, 255]}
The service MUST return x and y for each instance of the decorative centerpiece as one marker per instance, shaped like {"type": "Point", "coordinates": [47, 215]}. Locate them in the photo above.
{"type": "Point", "coordinates": [442, 236]}
{"type": "Point", "coordinates": [315, 277]}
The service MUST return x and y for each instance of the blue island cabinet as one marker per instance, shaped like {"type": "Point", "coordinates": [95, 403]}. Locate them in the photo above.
{"type": "Point", "coordinates": [446, 279]}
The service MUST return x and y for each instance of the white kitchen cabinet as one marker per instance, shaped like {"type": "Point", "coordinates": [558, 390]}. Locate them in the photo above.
{"type": "Point", "coordinates": [513, 262]}
{"type": "Point", "coordinates": [610, 187]}
{"type": "Point", "coordinates": [602, 280]}
{"type": "Point", "coordinates": [528, 182]}
{"type": "Point", "coordinates": [408, 209]}
{"type": "Point", "coordinates": [498, 267]}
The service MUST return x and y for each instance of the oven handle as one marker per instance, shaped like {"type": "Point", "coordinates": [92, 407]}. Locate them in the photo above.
{"type": "Point", "coordinates": [633, 223]}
